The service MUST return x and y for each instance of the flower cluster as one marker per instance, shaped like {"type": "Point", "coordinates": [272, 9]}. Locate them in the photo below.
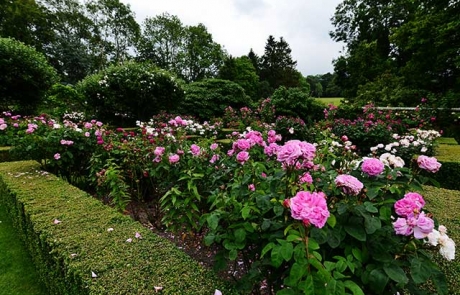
{"type": "Point", "coordinates": [411, 219]}
{"type": "Point", "coordinates": [447, 245]}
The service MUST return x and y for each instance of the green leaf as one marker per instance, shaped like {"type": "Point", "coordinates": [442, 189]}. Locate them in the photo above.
{"type": "Point", "coordinates": [267, 248]}
{"type": "Point", "coordinates": [232, 254]}
{"type": "Point", "coordinates": [378, 280]}
{"type": "Point", "coordinates": [439, 280]}
{"type": "Point", "coordinates": [295, 274]}
{"type": "Point", "coordinates": [370, 207]}
{"type": "Point", "coordinates": [419, 271]}
{"type": "Point", "coordinates": [357, 254]}
{"type": "Point", "coordinates": [372, 192]}
{"type": "Point", "coordinates": [245, 212]}
{"type": "Point", "coordinates": [353, 287]}
{"type": "Point", "coordinates": [309, 286]}
{"type": "Point", "coordinates": [396, 273]}
{"type": "Point", "coordinates": [332, 221]}
{"type": "Point", "coordinates": [356, 230]}
{"type": "Point", "coordinates": [371, 224]}
{"type": "Point", "coordinates": [276, 256]}
{"type": "Point", "coordinates": [213, 220]}
{"type": "Point", "coordinates": [312, 244]}
{"type": "Point", "coordinates": [385, 213]}
{"type": "Point", "coordinates": [286, 251]}
{"type": "Point", "coordinates": [240, 235]}
{"type": "Point", "coordinates": [209, 239]}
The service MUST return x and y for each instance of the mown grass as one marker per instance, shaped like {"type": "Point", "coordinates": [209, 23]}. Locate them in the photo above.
{"type": "Point", "coordinates": [330, 100]}
{"type": "Point", "coordinates": [17, 273]}
{"type": "Point", "coordinates": [445, 206]}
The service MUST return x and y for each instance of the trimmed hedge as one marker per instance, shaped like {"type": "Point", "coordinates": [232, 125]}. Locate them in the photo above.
{"type": "Point", "coordinates": [67, 253]}
{"type": "Point", "coordinates": [449, 174]}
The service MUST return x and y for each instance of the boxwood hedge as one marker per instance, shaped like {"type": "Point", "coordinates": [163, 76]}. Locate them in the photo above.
{"type": "Point", "coordinates": [66, 231]}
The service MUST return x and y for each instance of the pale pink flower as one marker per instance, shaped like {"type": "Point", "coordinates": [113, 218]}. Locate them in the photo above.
{"type": "Point", "coordinates": [271, 149]}
{"type": "Point", "coordinates": [349, 184]}
{"type": "Point", "coordinates": [3, 126]}
{"type": "Point", "coordinates": [214, 158]}
{"type": "Point", "coordinates": [129, 240]}
{"type": "Point", "coordinates": [372, 167]}
{"type": "Point", "coordinates": [429, 164]}
{"type": "Point", "coordinates": [242, 157]}
{"type": "Point", "coordinates": [87, 134]}
{"type": "Point", "coordinates": [309, 207]}
{"type": "Point", "coordinates": [412, 203]}
{"type": "Point", "coordinates": [99, 124]}
{"type": "Point", "coordinates": [159, 151]}
{"type": "Point", "coordinates": [401, 227]}
{"type": "Point", "coordinates": [241, 144]}
{"type": "Point", "coordinates": [56, 221]}
{"type": "Point", "coordinates": [93, 274]}
{"type": "Point", "coordinates": [174, 158]}
{"type": "Point", "coordinates": [214, 146]}
{"type": "Point", "coordinates": [88, 125]}
{"type": "Point", "coordinates": [423, 227]}
{"type": "Point", "coordinates": [251, 187]}
{"type": "Point", "coordinates": [306, 178]}
{"type": "Point", "coordinates": [195, 150]}
{"type": "Point", "coordinates": [57, 156]}
{"type": "Point", "coordinates": [138, 235]}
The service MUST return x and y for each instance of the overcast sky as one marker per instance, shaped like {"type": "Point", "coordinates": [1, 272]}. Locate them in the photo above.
{"type": "Point", "coordinates": [239, 25]}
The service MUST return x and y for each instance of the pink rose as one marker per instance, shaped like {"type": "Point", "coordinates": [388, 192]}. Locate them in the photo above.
{"type": "Point", "coordinates": [349, 184]}
{"type": "Point", "coordinates": [159, 151]}
{"type": "Point", "coordinates": [251, 187]}
{"type": "Point", "coordinates": [195, 150]}
{"type": "Point", "coordinates": [372, 167]}
{"type": "Point", "coordinates": [242, 157]}
{"type": "Point", "coordinates": [306, 178]}
{"type": "Point", "coordinates": [174, 158]}
{"type": "Point", "coordinates": [289, 153]}
{"type": "Point", "coordinates": [429, 164]}
{"type": "Point", "coordinates": [57, 156]}
{"type": "Point", "coordinates": [401, 227]}
{"type": "Point", "coordinates": [214, 146]}
{"type": "Point", "coordinates": [309, 207]}
{"type": "Point", "coordinates": [412, 203]}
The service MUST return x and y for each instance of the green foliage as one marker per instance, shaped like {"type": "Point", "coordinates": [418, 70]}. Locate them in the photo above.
{"type": "Point", "coordinates": [122, 94]}
{"type": "Point", "coordinates": [60, 100]}
{"type": "Point", "coordinates": [297, 103]}
{"type": "Point", "coordinates": [25, 76]}
{"type": "Point", "coordinates": [67, 248]}
{"type": "Point", "coordinates": [242, 71]}
{"type": "Point", "coordinates": [209, 98]}
{"type": "Point", "coordinates": [18, 273]}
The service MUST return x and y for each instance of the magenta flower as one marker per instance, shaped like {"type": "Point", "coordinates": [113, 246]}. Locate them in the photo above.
{"type": "Point", "coordinates": [159, 151]}
{"type": "Point", "coordinates": [289, 153]}
{"type": "Point", "coordinates": [174, 158]}
{"type": "Point", "coordinates": [88, 125]}
{"type": "Point", "coordinates": [309, 207]}
{"type": "Point", "coordinates": [57, 156]}
{"type": "Point", "coordinates": [412, 203]}
{"type": "Point", "coordinates": [195, 150]}
{"type": "Point", "coordinates": [271, 149]}
{"type": "Point", "coordinates": [372, 167]}
{"type": "Point", "coordinates": [241, 144]}
{"type": "Point", "coordinates": [214, 158]}
{"type": "Point", "coordinates": [429, 164]}
{"type": "Point", "coordinates": [418, 224]}
{"type": "Point", "coordinates": [306, 178]}
{"type": "Point", "coordinates": [214, 146]}
{"type": "Point", "coordinates": [242, 157]}
{"type": "Point", "coordinates": [350, 185]}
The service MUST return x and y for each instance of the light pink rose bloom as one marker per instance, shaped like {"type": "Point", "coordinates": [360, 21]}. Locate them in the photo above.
{"type": "Point", "coordinates": [372, 167]}
{"type": "Point", "coordinates": [429, 164]}
{"type": "Point", "coordinates": [242, 157]}
{"type": "Point", "coordinates": [87, 134]}
{"type": "Point", "coordinates": [88, 125]}
{"type": "Point", "coordinates": [159, 151]}
{"type": "Point", "coordinates": [289, 153]}
{"type": "Point", "coordinates": [412, 203]}
{"type": "Point", "coordinates": [401, 227]}
{"type": "Point", "coordinates": [251, 187]}
{"type": "Point", "coordinates": [174, 158]}
{"type": "Point", "coordinates": [214, 158]}
{"type": "Point", "coordinates": [349, 184]}
{"type": "Point", "coordinates": [423, 227]}
{"type": "Point", "coordinates": [3, 126]}
{"type": "Point", "coordinates": [57, 156]}
{"type": "Point", "coordinates": [214, 146]}
{"type": "Point", "coordinates": [241, 144]}
{"type": "Point", "coordinates": [271, 149]}
{"type": "Point", "coordinates": [306, 178]}
{"type": "Point", "coordinates": [230, 152]}
{"type": "Point", "coordinates": [195, 150]}
{"type": "Point", "coordinates": [309, 207]}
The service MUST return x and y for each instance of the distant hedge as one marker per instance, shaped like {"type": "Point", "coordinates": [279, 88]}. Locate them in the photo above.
{"type": "Point", "coordinates": [67, 253]}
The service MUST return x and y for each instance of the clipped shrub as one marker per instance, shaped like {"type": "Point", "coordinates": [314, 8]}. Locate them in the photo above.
{"type": "Point", "coordinates": [132, 91]}
{"type": "Point", "coordinates": [81, 246]}
{"type": "Point", "coordinates": [209, 98]}
{"type": "Point", "coordinates": [25, 76]}
{"type": "Point", "coordinates": [296, 102]}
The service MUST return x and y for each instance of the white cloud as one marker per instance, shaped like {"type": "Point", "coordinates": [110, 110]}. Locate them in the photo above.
{"type": "Point", "coordinates": [240, 25]}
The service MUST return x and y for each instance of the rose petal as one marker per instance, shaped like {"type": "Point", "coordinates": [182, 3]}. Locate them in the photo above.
{"type": "Point", "coordinates": [93, 275]}
{"type": "Point", "coordinates": [129, 240]}
{"type": "Point", "coordinates": [110, 229]}
{"type": "Point", "coordinates": [217, 292]}
{"type": "Point", "coordinates": [138, 235]}
{"type": "Point", "coordinates": [56, 221]}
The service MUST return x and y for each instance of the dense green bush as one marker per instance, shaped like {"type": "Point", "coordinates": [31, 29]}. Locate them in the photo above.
{"type": "Point", "coordinates": [25, 76]}
{"type": "Point", "coordinates": [129, 92]}
{"type": "Point", "coordinates": [60, 100]}
{"type": "Point", "coordinates": [296, 102]}
{"type": "Point", "coordinates": [209, 98]}
{"type": "Point", "coordinates": [81, 246]}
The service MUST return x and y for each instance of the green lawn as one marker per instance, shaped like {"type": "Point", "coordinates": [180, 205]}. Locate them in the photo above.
{"type": "Point", "coordinates": [330, 100]}
{"type": "Point", "coordinates": [17, 273]}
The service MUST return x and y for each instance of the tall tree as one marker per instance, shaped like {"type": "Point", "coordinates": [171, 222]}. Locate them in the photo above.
{"type": "Point", "coordinates": [241, 71]}
{"type": "Point", "coordinates": [115, 28]}
{"type": "Point", "coordinates": [277, 66]}
{"type": "Point", "coordinates": [162, 41]}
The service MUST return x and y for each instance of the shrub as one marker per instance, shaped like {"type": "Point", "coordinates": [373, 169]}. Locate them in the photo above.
{"type": "Point", "coordinates": [25, 76]}
{"type": "Point", "coordinates": [80, 246]}
{"type": "Point", "coordinates": [60, 100]}
{"type": "Point", "coordinates": [208, 98]}
{"type": "Point", "coordinates": [122, 94]}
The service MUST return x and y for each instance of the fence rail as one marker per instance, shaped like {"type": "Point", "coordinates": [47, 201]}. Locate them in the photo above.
{"type": "Point", "coordinates": [414, 108]}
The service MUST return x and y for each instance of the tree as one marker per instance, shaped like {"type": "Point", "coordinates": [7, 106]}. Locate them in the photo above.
{"type": "Point", "coordinates": [162, 42]}
{"type": "Point", "coordinates": [277, 66]}
{"type": "Point", "coordinates": [115, 29]}
{"type": "Point", "coordinates": [188, 51]}
{"type": "Point", "coordinates": [241, 71]}
{"type": "Point", "coordinates": [202, 56]}
{"type": "Point", "coordinates": [25, 76]}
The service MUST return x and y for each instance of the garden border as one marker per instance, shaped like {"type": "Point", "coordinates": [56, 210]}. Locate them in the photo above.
{"type": "Point", "coordinates": [69, 235]}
